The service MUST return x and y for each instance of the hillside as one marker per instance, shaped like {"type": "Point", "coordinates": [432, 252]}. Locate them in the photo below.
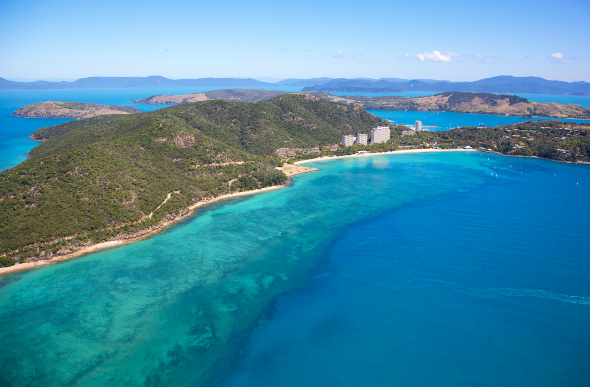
{"type": "Point", "coordinates": [53, 109]}
{"type": "Point", "coordinates": [481, 103]}
{"type": "Point", "coordinates": [117, 177]}
{"type": "Point", "coordinates": [244, 95]}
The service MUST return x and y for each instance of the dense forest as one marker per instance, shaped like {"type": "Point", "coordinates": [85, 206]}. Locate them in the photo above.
{"type": "Point", "coordinates": [113, 177]}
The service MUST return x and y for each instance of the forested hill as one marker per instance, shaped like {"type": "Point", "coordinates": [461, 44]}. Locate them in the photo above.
{"type": "Point", "coordinates": [113, 177]}
{"type": "Point", "coordinates": [460, 102]}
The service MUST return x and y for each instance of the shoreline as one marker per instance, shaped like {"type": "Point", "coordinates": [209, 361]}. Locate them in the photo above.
{"type": "Point", "coordinates": [134, 238]}
{"type": "Point", "coordinates": [189, 211]}
{"type": "Point", "coordinates": [404, 151]}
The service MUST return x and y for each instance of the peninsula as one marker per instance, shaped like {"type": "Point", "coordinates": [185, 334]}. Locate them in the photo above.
{"type": "Point", "coordinates": [462, 102]}
{"type": "Point", "coordinates": [120, 177]}
{"type": "Point", "coordinates": [79, 110]}
{"type": "Point", "coordinates": [106, 180]}
{"type": "Point", "coordinates": [244, 95]}
{"type": "Point", "coordinates": [458, 102]}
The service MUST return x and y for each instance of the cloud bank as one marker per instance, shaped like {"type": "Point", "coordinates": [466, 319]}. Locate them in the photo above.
{"type": "Point", "coordinates": [435, 56]}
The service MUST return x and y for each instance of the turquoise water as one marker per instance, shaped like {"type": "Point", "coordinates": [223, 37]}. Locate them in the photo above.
{"type": "Point", "coordinates": [445, 120]}
{"type": "Point", "coordinates": [449, 269]}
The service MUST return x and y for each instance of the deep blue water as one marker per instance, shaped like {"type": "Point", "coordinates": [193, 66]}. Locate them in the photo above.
{"type": "Point", "coordinates": [484, 283]}
{"type": "Point", "coordinates": [447, 269]}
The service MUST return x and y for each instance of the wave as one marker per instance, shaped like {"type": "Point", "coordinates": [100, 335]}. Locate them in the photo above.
{"type": "Point", "coordinates": [510, 292]}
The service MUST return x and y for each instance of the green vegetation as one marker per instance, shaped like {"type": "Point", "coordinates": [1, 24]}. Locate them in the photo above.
{"type": "Point", "coordinates": [244, 95]}
{"type": "Point", "coordinates": [109, 177]}
{"type": "Point", "coordinates": [553, 140]}
{"type": "Point", "coordinates": [113, 177]}
{"type": "Point", "coordinates": [94, 106]}
{"type": "Point", "coordinates": [456, 98]}
{"type": "Point", "coordinates": [52, 109]}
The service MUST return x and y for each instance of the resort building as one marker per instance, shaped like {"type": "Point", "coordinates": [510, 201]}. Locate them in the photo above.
{"type": "Point", "coordinates": [348, 139]}
{"type": "Point", "coordinates": [361, 139]}
{"type": "Point", "coordinates": [418, 126]}
{"type": "Point", "coordinates": [380, 134]}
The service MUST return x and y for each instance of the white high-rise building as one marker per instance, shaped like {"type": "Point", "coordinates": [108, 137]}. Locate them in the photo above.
{"type": "Point", "coordinates": [362, 139]}
{"type": "Point", "coordinates": [380, 134]}
{"type": "Point", "coordinates": [348, 139]}
{"type": "Point", "coordinates": [418, 126]}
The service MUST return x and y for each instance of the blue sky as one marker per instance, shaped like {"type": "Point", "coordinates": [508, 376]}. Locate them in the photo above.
{"type": "Point", "coordinates": [452, 40]}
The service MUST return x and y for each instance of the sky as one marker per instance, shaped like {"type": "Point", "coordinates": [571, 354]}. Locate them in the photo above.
{"type": "Point", "coordinates": [421, 39]}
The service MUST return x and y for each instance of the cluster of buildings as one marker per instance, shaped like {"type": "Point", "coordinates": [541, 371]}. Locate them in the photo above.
{"type": "Point", "coordinates": [379, 135]}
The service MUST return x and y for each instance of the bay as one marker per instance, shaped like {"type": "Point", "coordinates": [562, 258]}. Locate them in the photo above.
{"type": "Point", "coordinates": [484, 284]}
{"type": "Point", "coordinates": [458, 268]}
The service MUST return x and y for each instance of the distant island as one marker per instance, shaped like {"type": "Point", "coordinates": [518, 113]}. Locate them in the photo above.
{"type": "Point", "coordinates": [244, 95]}
{"type": "Point", "coordinates": [79, 110]}
{"type": "Point", "coordinates": [461, 102]}
{"type": "Point", "coordinates": [499, 84]}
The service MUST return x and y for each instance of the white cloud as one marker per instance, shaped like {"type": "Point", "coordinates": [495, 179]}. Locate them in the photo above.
{"type": "Point", "coordinates": [340, 55]}
{"type": "Point", "coordinates": [557, 55]}
{"type": "Point", "coordinates": [452, 53]}
{"type": "Point", "coordinates": [479, 56]}
{"type": "Point", "coordinates": [434, 56]}
{"type": "Point", "coordinates": [407, 55]}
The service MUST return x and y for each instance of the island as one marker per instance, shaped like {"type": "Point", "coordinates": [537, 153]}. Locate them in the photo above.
{"type": "Point", "coordinates": [463, 102]}
{"type": "Point", "coordinates": [244, 95]}
{"type": "Point", "coordinates": [458, 102]}
{"type": "Point", "coordinates": [116, 178]}
{"type": "Point", "coordinates": [79, 110]}
{"type": "Point", "coordinates": [111, 179]}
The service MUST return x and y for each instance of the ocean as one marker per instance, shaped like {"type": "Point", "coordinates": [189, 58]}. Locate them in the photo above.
{"type": "Point", "coordinates": [451, 268]}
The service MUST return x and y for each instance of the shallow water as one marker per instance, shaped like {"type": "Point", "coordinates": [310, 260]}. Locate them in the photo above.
{"type": "Point", "coordinates": [379, 270]}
